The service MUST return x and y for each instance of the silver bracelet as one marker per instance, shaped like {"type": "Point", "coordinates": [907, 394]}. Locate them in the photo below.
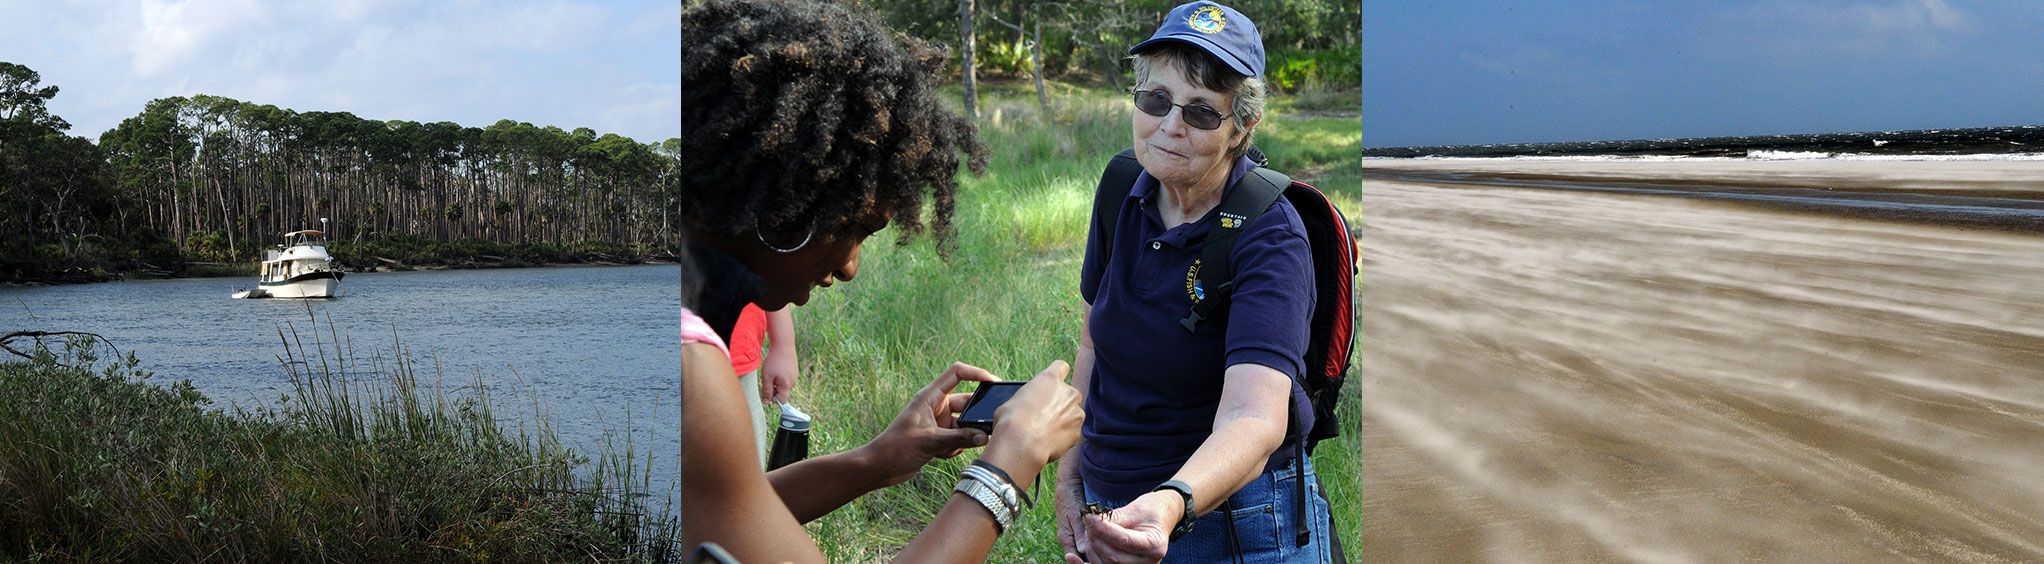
{"type": "Point", "coordinates": [990, 498]}
{"type": "Point", "coordinates": [995, 482]}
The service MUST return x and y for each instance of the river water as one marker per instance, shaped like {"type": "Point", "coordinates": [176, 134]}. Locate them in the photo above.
{"type": "Point", "coordinates": [1564, 376]}
{"type": "Point", "coordinates": [593, 349]}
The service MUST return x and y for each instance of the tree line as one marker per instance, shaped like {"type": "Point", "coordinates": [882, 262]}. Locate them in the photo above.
{"type": "Point", "coordinates": [1310, 44]}
{"type": "Point", "coordinates": [217, 179]}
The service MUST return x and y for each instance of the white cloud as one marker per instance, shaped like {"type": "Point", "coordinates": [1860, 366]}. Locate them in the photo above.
{"type": "Point", "coordinates": [1924, 16]}
{"type": "Point", "coordinates": [553, 26]}
{"type": "Point", "coordinates": [1820, 31]}
{"type": "Point", "coordinates": [550, 62]}
{"type": "Point", "coordinates": [637, 103]}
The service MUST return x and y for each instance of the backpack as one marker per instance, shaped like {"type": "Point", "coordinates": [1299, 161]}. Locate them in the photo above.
{"type": "Point", "coordinates": [1331, 339]}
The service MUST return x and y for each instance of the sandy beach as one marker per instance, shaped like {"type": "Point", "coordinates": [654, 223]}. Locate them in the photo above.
{"type": "Point", "coordinates": [2006, 196]}
{"type": "Point", "coordinates": [1563, 373]}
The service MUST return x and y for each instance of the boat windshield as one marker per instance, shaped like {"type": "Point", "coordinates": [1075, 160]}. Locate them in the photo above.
{"type": "Point", "coordinates": [307, 237]}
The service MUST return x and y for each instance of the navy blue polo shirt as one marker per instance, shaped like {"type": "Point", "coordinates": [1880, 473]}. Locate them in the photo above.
{"type": "Point", "coordinates": [1155, 386]}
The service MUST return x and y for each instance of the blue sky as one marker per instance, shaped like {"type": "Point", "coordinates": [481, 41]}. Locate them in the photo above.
{"type": "Point", "coordinates": [1494, 71]}
{"type": "Point", "coordinates": [609, 66]}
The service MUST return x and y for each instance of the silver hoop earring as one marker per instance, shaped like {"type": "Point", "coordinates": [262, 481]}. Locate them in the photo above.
{"type": "Point", "coordinates": [797, 247]}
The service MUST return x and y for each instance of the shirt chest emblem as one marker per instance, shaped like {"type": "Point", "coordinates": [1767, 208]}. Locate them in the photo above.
{"type": "Point", "coordinates": [1193, 289]}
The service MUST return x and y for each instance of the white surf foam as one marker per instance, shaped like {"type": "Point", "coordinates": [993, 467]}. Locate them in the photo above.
{"type": "Point", "coordinates": [1756, 156]}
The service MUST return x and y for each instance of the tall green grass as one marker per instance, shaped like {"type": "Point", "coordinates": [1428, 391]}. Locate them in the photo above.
{"type": "Point", "coordinates": [360, 463]}
{"type": "Point", "coordinates": [1007, 300]}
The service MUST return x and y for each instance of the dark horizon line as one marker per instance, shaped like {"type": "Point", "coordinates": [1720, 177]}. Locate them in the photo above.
{"type": "Point", "coordinates": [1367, 149]}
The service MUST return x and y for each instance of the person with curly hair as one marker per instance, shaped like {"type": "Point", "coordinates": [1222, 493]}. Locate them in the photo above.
{"type": "Point", "coordinates": [806, 128]}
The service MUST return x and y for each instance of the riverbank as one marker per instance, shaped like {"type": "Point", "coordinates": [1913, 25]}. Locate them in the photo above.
{"type": "Point", "coordinates": [484, 263]}
{"type": "Point", "coordinates": [386, 255]}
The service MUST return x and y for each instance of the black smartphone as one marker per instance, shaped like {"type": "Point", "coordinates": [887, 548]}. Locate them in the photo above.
{"type": "Point", "coordinates": [979, 411]}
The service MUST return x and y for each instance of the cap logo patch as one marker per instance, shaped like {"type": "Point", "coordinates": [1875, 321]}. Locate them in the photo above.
{"type": "Point", "coordinates": [1208, 19]}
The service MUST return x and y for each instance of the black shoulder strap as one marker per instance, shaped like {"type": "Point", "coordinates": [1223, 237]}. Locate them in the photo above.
{"type": "Point", "coordinates": [1252, 196]}
{"type": "Point", "coordinates": [1257, 191]}
{"type": "Point", "coordinates": [1115, 184]}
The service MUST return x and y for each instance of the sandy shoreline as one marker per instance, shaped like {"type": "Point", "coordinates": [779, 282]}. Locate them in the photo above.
{"type": "Point", "coordinates": [470, 265]}
{"type": "Point", "coordinates": [1564, 376]}
{"type": "Point", "coordinates": [1994, 195]}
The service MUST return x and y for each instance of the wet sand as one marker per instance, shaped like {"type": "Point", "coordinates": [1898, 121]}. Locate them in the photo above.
{"type": "Point", "coordinates": [1565, 375]}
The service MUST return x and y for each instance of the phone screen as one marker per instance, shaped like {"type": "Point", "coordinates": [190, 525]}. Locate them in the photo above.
{"type": "Point", "coordinates": [989, 397]}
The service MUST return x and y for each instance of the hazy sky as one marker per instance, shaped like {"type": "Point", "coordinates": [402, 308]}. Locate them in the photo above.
{"type": "Point", "coordinates": [1496, 71]}
{"type": "Point", "coordinates": [610, 66]}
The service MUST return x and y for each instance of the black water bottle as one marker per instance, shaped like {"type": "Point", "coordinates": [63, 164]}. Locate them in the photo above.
{"type": "Point", "coordinates": [791, 438]}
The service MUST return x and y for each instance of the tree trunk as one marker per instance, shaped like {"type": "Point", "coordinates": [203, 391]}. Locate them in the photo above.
{"type": "Point", "coordinates": [965, 63]}
{"type": "Point", "coordinates": [1036, 66]}
{"type": "Point", "coordinates": [1110, 68]}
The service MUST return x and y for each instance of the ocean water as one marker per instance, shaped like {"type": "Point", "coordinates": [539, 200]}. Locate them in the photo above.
{"type": "Point", "coordinates": [593, 349]}
{"type": "Point", "coordinates": [2018, 143]}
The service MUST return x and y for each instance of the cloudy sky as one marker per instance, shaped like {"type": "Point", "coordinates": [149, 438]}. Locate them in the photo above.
{"type": "Point", "coordinates": [1496, 71]}
{"type": "Point", "coordinates": [612, 66]}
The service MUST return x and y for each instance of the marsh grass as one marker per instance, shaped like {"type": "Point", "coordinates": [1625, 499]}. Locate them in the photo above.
{"type": "Point", "coordinates": [361, 462]}
{"type": "Point", "coordinates": [1007, 300]}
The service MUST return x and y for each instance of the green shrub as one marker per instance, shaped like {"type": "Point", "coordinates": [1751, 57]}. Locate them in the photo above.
{"type": "Point", "coordinates": [1292, 70]}
{"type": "Point", "coordinates": [412, 252]}
{"type": "Point", "coordinates": [208, 246]}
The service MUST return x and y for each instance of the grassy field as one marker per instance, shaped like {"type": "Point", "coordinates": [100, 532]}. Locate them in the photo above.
{"type": "Point", "coordinates": [1007, 299]}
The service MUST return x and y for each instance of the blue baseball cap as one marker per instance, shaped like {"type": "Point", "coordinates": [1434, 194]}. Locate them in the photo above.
{"type": "Point", "coordinates": [1219, 30]}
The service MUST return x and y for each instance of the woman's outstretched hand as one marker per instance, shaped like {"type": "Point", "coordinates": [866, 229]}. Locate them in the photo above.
{"type": "Point", "coordinates": [1137, 532]}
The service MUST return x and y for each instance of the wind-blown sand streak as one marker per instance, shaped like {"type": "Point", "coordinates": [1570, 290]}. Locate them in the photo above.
{"type": "Point", "coordinates": [1564, 376]}
{"type": "Point", "coordinates": [2007, 196]}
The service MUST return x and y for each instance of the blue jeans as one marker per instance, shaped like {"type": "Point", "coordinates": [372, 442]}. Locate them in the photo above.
{"type": "Point", "coordinates": [1265, 514]}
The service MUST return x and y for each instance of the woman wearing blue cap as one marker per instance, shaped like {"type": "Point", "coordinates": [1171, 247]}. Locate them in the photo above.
{"type": "Point", "coordinates": [1193, 449]}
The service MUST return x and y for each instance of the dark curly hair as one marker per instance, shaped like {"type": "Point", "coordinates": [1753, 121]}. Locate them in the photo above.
{"type": "Point", "coordinates": [805, 115]}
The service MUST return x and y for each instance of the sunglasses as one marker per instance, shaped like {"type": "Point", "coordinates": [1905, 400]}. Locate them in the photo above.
{"type": "Point", "coordinates": [1158, 103]}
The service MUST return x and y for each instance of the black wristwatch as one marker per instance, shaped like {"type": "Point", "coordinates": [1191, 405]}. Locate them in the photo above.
{"type": "Point", "coordinates": [1184, 521]}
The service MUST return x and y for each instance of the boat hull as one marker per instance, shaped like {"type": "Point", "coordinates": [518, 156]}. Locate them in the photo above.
{"type": "Point", "coordinates": [310, 285]}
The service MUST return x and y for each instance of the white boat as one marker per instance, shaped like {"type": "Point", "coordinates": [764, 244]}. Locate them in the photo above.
{"type": "Point", "coordinates": [299, 268]}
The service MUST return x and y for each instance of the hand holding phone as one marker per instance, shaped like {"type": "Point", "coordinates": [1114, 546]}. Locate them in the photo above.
{"type": "Point", "coordinates": [979, 411]}
{"type": "Point", "coordinates": [1039, 420]}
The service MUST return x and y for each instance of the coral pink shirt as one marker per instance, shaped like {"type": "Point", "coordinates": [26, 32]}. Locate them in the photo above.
{"type": "Point", "coordinates": [695, 330]}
